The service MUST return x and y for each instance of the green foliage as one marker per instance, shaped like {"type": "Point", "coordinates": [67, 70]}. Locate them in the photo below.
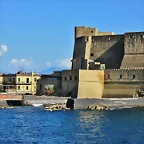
{"type": "Point", "coordinates": [49, 87]}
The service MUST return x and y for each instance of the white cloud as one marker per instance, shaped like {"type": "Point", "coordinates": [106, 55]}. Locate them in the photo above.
{"type": "Point", "coordinates": [63, 63]}
{"type": "Point", "coordinates": [3, 49]}
{"type": "Point", "coordinates": [21, 64]}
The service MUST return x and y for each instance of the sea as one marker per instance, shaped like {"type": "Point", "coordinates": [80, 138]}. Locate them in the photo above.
{"type": "Point", "coordinates": [34, 125]}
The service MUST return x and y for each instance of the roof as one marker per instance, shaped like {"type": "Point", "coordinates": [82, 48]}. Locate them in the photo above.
{"type": "Point", "coordinates": [21, 73]}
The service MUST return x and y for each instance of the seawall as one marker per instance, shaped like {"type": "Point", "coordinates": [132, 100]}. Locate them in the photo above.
{"type": "Point", "coordinates": [114, 102]}
{"type": "Point", "coordinates": [30, 100]}
{"type": "Point", "coordinates": [120, 89]}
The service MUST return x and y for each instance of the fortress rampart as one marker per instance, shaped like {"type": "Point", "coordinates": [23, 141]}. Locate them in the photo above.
{"type": "Point", "coordinates": [121, 57]}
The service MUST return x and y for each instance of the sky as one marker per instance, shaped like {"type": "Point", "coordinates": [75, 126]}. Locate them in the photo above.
{"type": "Point", "coordinates": [39, 34]}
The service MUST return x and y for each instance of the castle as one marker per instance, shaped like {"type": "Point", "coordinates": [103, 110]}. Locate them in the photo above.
{"type": "Point", "coordinates": [105, 64]}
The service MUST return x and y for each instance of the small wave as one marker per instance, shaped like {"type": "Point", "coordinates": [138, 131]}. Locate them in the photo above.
{"type": "Point", "coordinates": [118, 108]}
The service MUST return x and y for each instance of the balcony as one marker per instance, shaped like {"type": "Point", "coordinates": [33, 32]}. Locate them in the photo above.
{"type": "Point", "coordinates": [9, 82]}
{"type": "Point", "coordinates": [23, 83]}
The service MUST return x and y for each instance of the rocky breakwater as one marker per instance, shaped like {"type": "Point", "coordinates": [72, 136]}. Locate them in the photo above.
{"type": "Point", "coordinates": [44, 100]}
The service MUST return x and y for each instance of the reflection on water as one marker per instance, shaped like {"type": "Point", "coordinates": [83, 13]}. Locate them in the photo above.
{"type": "Point", "coordinates": [34, 125]}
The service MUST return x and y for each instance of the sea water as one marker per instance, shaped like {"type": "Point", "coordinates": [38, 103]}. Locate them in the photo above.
{"type": "Point", "coordinates": [34, 125]}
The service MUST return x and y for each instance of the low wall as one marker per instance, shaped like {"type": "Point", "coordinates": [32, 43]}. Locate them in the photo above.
{"type": "Point", "coordinates": [84, 103]}
{"type": "Point", "coordinates": [120, 89]}
{"type": "Point", "coordinates": [29, 100]}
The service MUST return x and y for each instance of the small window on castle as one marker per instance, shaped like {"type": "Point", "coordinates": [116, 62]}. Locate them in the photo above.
{"type": "Point", "coordinates": [75, 78]}
{"type": "Point", "coordinates": [70, 78]}
{"type": "Point", "coordinates": [108, 76]}
{"type": "Point", "coordinates": [91, 31]}
{"type": "Point", "coordinates": [40, 86]}
{"type": "Point", "coordinates": [133, 36]}
{"type": "Point", "coordinates": [133, 76]}
{"type": "Point", "coordinates": [120, 76]}
{"type": "Point", "coordinates": [65, 78]}
{"type": "Point", "coordinates": [91, 54]}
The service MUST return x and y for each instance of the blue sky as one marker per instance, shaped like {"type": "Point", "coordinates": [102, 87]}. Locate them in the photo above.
{"type": "Point", "coordinates": [40, 33]}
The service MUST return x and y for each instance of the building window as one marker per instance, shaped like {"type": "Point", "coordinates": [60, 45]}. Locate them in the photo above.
{"type": "Point", "coordinates": [70, 78]}
{"type": "Point", "coordinates": [26, 87]}
{"type": "Point", "coordinates": [120, 76]}
{"type": "Point", "coordinates": [75, 78]}
{"type": "Point", "coordinates": [40, 86]}
{"type": "Point", "coordinates": [19, 80]}
{"type": "Point", "coordinates": [102, 67]}
{"type": "Point", "coordinates": [108, 76]}
{"type": "Point", "coordinates": [35, 79]}
{"type": "Point", "coordinates": [65, 78]}
{"type": "Point", "coordinates": [13, 79]}
{"type": "Point", "coordinates": [27, 80]}
{"type": "Point", "coordinates": [18, 87]}
{"type": "Point", "coordinates": [91, 54]}
{"type": "Point", "coordinates": [133, 76]}
{"type": "Point", "coordinates": [91, 31]}
{"type": "Point", "coordinates": [10, 79]}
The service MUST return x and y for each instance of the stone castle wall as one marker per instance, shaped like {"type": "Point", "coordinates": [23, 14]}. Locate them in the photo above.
{"type": "Point", "coordinates": [108, 50]}
{"type": "Point", "coordinates": [123, 56]}
{"type": "Point", "coordinates": [123, 82]}
{"type": "Point", "coordinates": [115, 51]}
{"type": "Point", "coordinates": [133, 50]}
{"type": "Point", "coordinates": [124, 74]}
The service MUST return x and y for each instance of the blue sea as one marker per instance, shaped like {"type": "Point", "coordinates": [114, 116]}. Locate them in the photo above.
{"type": "Point", "coordinates": [33, 125]}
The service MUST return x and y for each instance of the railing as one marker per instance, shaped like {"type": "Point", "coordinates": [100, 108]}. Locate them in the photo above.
{"type": "Point", "coordinates": [23, 82]}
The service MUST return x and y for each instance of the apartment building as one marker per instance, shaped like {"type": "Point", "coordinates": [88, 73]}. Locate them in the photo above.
{"type": "Point", "coordinates": [20, 83]}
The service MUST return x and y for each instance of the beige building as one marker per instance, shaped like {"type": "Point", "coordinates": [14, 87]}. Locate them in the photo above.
{"type": "Point", "coordinates": [20, 83]}
{"type": "Point", "coordinates": [53, 79]}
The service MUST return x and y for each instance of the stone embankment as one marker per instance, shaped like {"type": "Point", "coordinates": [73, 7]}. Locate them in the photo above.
{"type": "Point", "coordinates": [31, 100]}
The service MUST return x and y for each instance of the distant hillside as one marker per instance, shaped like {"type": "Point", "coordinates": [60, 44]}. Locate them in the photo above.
{"type": "Point", "coordinates": [50, 70]}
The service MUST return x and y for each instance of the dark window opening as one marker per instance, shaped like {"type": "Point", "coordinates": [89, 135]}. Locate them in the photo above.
{"type": "Point", "coordinates": [13, 79]}
{"type": "Point", "coordinates": [70, 78]}
{"type": "Point", "coordinates": [18, 87]}
{"type": "Point", "coordinates": [27, 80]}
{"type": "Point", "coordinates": [91, 31]}
{"type": "Point", "coordinates": [91, 54]}
{"type": "Point", "coordinates": [120, 76]}
{"type": "Point", "coordinates": [40, 86]}
{"type": "Point", "coordinates": [75, 78]}
{"type": "Point", "coordinates": [26, 87]}
{"type": "Point", "coordinates": [133, 76]}
{"type": "Point", "coordinates": [19, 80]}
{"type": "Point", "coordinates": [108, 76]}
{"type": "Point", "coordinates": [65, 78]}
